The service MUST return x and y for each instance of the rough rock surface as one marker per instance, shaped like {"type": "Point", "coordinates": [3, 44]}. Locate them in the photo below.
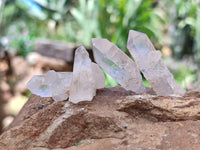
{"type": "Point", "coordinates": [115, 120]}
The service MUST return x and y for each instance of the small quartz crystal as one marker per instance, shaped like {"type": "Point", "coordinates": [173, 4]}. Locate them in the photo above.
{"type": "Point", "coordinates": [53, 84]}
{"type": "Point", "coordinates": [149, 62]}
{"type": "Point", "coordinates": [118, 65]}
{"type": "Point", "coordinates": [87, 77]}
{"type": "Point", "coordinates": [38, 86]}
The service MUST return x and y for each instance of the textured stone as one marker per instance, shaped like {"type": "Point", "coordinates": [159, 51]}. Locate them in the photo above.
{"type": "Point", "coordinates": [118, 65]}
{"type": "Point", "coordinates": [149, 62]}
{"type": "Point", "coordinates": [115, 119]}
{"type": "Point", "coordinates": [85, 81]}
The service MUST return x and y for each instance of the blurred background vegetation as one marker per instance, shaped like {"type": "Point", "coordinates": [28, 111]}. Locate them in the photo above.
{"type": "Point", "coordinates": [173, 26]}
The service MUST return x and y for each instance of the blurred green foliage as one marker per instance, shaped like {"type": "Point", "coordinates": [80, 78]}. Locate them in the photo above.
{"type": "Point", "coordinates": [173, 23]}
{"type": "Point", "coordinates": [1, 9]}
{"type": "Point", "coordinates": [183, 17]}
{"type": "Point", "coordinates": [110, 82]}
{"type": "Point", "coordinates": [116, 18]}
{"type": "Point", "coordinates": [85, 22]}
{"type": "Point", "coordinates": [79, 21]}
{"type": "Point", "coordinates": [185, 76]}
{"type": "Point", "coordinates": [23, 44]}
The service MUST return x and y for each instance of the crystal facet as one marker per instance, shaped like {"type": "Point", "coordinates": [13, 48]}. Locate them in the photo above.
{"type": "Point", "coordinates": [118, 65]}
{"type": "Point", "coordinates": [149, 62]}
{"type": "Point", "coordinates": [56, 85]}
{"type": "Point", "coordinates": [98, 76]}
{"type": "Point", "coordinates": [83, 85]}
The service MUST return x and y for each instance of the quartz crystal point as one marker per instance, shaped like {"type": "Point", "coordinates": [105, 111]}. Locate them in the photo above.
{"type": "Point", "coordinates": [38, 86]}
{"type": "Point", "coordinates": [118, 65]}
{"type": "Point", "coordinates": [53, 84]}
{"type": "Point", "coordinates": [149, 62]}
{"type": "Point", "coordinates": [83, 85]}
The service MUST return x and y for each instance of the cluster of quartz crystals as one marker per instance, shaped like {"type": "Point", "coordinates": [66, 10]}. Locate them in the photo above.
{"type": "Point", "coordinates": [81, 84]}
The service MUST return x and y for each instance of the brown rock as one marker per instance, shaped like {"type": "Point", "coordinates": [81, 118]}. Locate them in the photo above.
{"type": "Point", "coordinates": [115, 119]}
{"type": "Point", "coordinates": [19, 66]}
{"type": "Point", "coordinates": [55, 49]}
{"type": "Point", "coordinates": [48, 63]}
{"type": "Point", "coordinates": [58, 50]}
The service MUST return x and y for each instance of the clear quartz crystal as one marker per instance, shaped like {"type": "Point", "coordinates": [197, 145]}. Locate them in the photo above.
{"type": "Point", "coordinates": [118, 65]}
{"type": "Point", "coordinates": [66, 78]}
{"type": "Point", "coordinates": [38, 86]}
{"type": "Point", "coordinates": [53, 84]}
{"type": "Point", "coordinates": [98, 76]}
{"type": "Point", "coordinates": [56, 85]}
{"type": "Point", "coordinates": [149, 62]}
{"type": "Point", "coordinates": [83, 85]}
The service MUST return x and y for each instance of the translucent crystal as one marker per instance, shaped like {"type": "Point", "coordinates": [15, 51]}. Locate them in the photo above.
{"type": "Point", "coordinates": [149, 62]}
{"type": "Point", "coordinates": [57, 86]}
{"type": "Point", "coordinates": [98, 76]}
{"type": "Point", "coordinates": [118, 65]}
{"type": "Point", "coordinates": [53, 84]}
{"type": "Point", "coordinates": [83, 85]}
{"type": "Point", "coordinates": [38, 86]}
{"type": "Point", "coordinates": [66, 78]}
